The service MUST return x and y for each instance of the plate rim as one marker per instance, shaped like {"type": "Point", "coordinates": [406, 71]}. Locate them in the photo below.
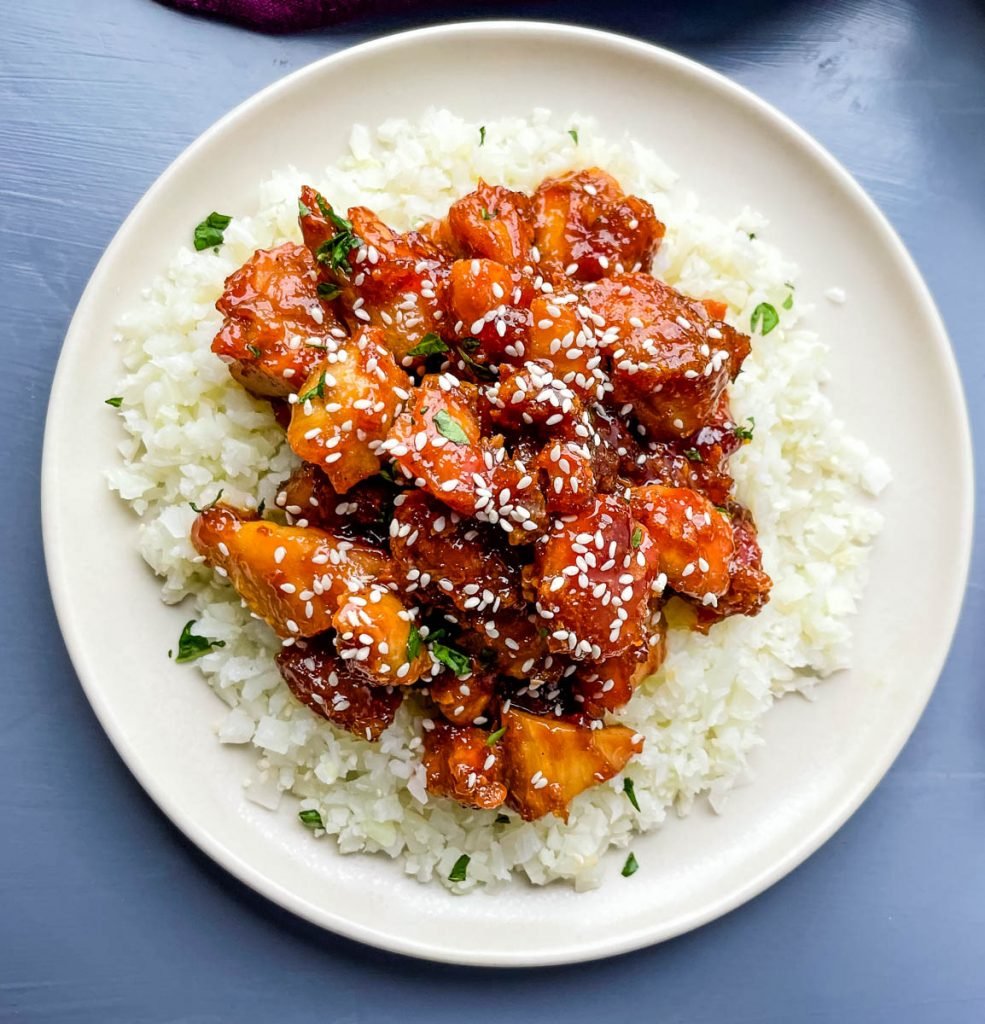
{"type": "Point", "coordinates": [226, 856]}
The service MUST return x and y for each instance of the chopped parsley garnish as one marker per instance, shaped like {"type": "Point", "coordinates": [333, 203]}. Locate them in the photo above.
{"type": "Point", "coordinates": [460, 869]}
{"type": "Point", "coordinates": [751, 234]}
{"type": "Point", "coordinates": [630, 867]}
{"type": "Point", "coordinates": [387, 473]}
{"type": "Point", "coordinates": [767, 315]}
{"type": "Point", "coordinates": [788, 301]}
{"type": "Point", "coordinates": [630, 790]}
{"type": "Point", "coordinates": [469, 344]}
{"type": "Point", "coordinates": [318, 391]}
{"type": "Point", "coordinates": [311, 818]}
{"type": "Point", "coordinates": [303, 210]}
{"type": "Point", "coordinates": [502, 819]}
{"type": "Point", "coordinates": [413, 643]}
{"type": "Point", "coordinates": [210, 232]}
{"type": "Point", "coordinates": [335, 251]}
{"type": "Point", "coordinates": [254, 350]}
{"type": "Point", "coordinates": [693, 455]}
{"type": "Point", "coordinates": [494, 737]}
{"type": "Point", "coordinates": [745, 433]}
{"type": "Point", "coordinates": [573, 132]}
{"type": "Point", "coordinates": [116, 401]}
{"type": "Point", "coordinates": [191, 646]}
{"type": "Point", "coordinates": [637, 539]}
{"type": "Point", "coordinates": [429, 345]}
{"type": "Point", "coordinates": [449, 427]}
{"type": "Point", "coordinates": [211, 504]}
{"type": "Point", "coordinates": [327, 290]}
{"type": "Point", "coordinates": [482, 135]}
{"type": "Point", "coordinates": [261, 506]}
{"type": "Point", "coordinates": [458, 662]}
{"type": "Point", "coordinates": [724, 511]}
{"type": "Point", "coordinates": [480, 370]}
{"type": "Point", "coordinates": [489, 214]}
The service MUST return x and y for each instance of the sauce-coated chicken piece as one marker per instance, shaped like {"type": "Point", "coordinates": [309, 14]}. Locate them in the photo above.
{"type": "Point", "coordinates": [609, 685]}
{"type": "Point", "coordinates": [460, 764]}
{"type": "Point", "coordinates": [514, 643]}
{"type": "Point", "coordinates": [451, 558]}
{"type": "Point", "coordinates": [319, 678]}
{"type": "Point", "coordinates": [346, 408]}
{"type": "Point", "coordinates": [693, 539]}
{"type": "Point", "coordinates": [669, 359]}
{"type": "Point", "coordinates": [463, 701]}
{"type": "Point", "coordinates": [373, 634]}
{"type": "Point", "coordinates": [490, 302]}
{"type": "Point", "coordinates": [363, 512]}
{"type": "Point", "coordinates": [291, 577]}
{"type": "Point", "coordinates": [531, 396]}
{"type": "Point", "coordinates": [749, 586]}
{"type": "Point", "coordinates": [558, 336]}
{"type": "Point", "coordinates": [567, 476]}
{"type": "Point", "coordinates": [549, 761]}
{"type": "Point", "coordinates": [377, 277]}
{"type": "Point", "coordinates": [273, 314]}
{"type": "Point", "coordinates": [594, 574]}
{"type": "Point", "coordinates": [494, 223]}
{"type": "Point", "coordinates": [587, 226]}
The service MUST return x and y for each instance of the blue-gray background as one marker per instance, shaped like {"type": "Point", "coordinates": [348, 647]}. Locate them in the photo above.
{"type": "Point", "coordinates": [107, 915]}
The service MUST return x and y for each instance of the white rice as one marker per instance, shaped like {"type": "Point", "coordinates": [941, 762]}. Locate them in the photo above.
{"type": "Point", "coordinates": [191, 430]}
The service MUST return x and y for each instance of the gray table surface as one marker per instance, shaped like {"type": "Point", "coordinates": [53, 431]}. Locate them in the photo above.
{"type": "Point", "coordinates": [108, 915]}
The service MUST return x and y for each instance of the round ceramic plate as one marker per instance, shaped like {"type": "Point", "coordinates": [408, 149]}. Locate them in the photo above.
{"type": "Point", "coordinates": [894, 381]}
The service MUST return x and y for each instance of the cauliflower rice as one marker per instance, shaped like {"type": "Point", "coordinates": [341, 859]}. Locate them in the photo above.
{"type": "Point", "coordinates": [192, 430]}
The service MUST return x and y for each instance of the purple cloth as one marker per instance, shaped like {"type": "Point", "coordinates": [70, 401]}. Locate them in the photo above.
{"type": "Point", "coordinates": [286, 15]}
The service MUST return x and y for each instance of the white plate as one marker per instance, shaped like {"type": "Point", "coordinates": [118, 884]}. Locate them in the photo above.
{"type": "Point", "coordinates": [894, 381]}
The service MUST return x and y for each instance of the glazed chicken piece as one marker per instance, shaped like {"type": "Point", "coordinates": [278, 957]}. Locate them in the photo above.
{"type": "Point", "coordinates": [693, 538]}
{"type": "Point", "coordinates": [531, 396]}
{"type": "Point", "coordinates": [594, 574]}
{"type": "Point", "coordinates": [490, 302]}
{"type": "Point", "coordinates": [373, 634]}
{"type": "Point", "coordinates": [437, 441]}
{"type": "Point", "coordinates": [329, 686]}
{"type": "Point", "coordinates": [699, 462]}
{"type": "Point", "coordinates": [293, 578]}
{"type": "Point", "coordinates": [749, 585]}
{"type": "Point", "coordinates": [514, 643]}
{"type": "Point", "coordinates": [363, 512]}
{"type": "Point", "coordinates": [567, 475]}
{"type": "Point", "coordinates": [378, 277]}
{"type": "Point", "coordinates": [273, 317]}
{"type": "Point", "coordinates": [558, 336]}
{"type": "Point", "coordinates": [463, 701]}
{"type": "Point", "coordinates": [450, 558]}
{"type": "Point", "coordinates": [549, 761]}
{"type": "Point", "coordinates": [610, 684]}
{"type": "Point", "coordinates": [585, 225]}
{"type": "Point", "coordinates": [462, 765]}
{"type": "Point", "coordinates": [346, 408]}
{"type": "Point", "coordinates": [670, 360]}
{"type": "Point", "coordinates": [493, 223]}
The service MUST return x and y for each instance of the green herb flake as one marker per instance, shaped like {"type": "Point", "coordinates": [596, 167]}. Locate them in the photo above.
{"type": "Point", "coordinates": [324, 208]}
{"type": "Point", "coordinates": [303, 210]}
{"type": "Point", "coordinates": [482, 135]}
{"type": "Point", "coordinates": [725, 512]}
{"type": "Point", "coordinates": [311, 818]}
{"type": "Point", "coordinates": [254, 350]}
{"type": "Point", "coordinates": [630, 867]}
{"type": "Point", "coordinates": [429, 345]}
{"type": "Point", "coordinates": [458, 662]}
{"type": "Point", "coordinates": [693, 455]}
{"type": "Point", "coordinates": [191, 646]}
{"type": "Point", "coordinates": [573, 132]}
{"type": "Point", "coordinates": [335, 251]}
{"type": "Point", "coordinates": [788, 301]}
{"type": "Point", "coordinates": [413, 643]}
{"type": "Point", "coordinates": [494, 737]}
{"type": "Point", "coordinates": [318, 391]}
{"type": "Point", "coordinates": [328, 291]}
{"type": "Point", "coordinates": [211, 504]}
{"type": "Point", "coordinates": [745, 433]}
{"type": "Point", "coordinates": [630, 790]}
{"type": "Point", "coordinates": [210, 232]}
{"type": "Point", "coordinates": [766, 315]}
{"type": "Point", "coordinates": [116, 401]}
{"type": "Point", "coordinates": [449, 427]}
{"type": "Point", "coordinates": [637, 539]}
{"type": "Point", "coordinates": [261, 506]}
{"type": "Point", "coordinates": [502, 819]}
{"type": "Point", "coordinates": [752, 235]}
{"type": "Point", "coordinates": [460, 869]}
{"type": "Point", "coordinates": [489, 214]}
